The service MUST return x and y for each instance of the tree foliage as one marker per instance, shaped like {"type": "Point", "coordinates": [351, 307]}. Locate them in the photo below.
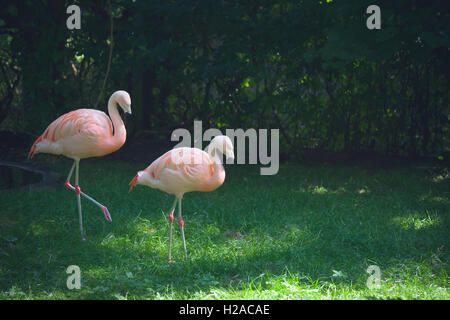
{"type": "Point", "coordinates": [310, 68]}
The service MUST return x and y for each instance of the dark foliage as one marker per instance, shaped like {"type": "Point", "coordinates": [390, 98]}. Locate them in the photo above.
{"type": "Point", "coordinates": [310, 68]}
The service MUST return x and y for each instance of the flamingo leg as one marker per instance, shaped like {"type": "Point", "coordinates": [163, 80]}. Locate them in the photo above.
{"type": "Point", "coordinates": [181, 222]}
{"type": "Point", "coordinates": [98, 204]}
{"type": "Point", "coordinates": [170, 228]}
{"type": "Point", "coordinates": [78, 192]}
{"type": "Point", "coordinates": [70, 173]}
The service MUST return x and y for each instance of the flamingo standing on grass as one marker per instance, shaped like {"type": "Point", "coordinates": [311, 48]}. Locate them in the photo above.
{"type": "Point", "coordinates": [85, 133]}
{"type": "Point", "coordinates": [183, 170]}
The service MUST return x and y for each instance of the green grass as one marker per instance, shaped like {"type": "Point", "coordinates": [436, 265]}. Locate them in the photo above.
{"type": "Point", "coordinates": [306, 233]}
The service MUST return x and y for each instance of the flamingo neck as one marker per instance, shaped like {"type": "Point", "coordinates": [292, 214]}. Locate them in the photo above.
{"type": "Point", "coordinates": [120, 134]}
{"type": "Point", "coordinates": [212, 150]}
{"type": "Point", "coordinates": [218, 177]}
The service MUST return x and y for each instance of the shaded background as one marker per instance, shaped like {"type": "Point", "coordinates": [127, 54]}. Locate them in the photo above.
{"type": "Point", "coordinates": [310, 68]}
{"type": "Point", "coordinates": [337, 91]}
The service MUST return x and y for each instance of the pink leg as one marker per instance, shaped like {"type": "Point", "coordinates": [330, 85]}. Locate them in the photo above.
{"type": "Point", "coordinates": [78, 192]}
{"type": "Point", "coordinates": [181, 222]}
{"type": "Point", "coordinates": [102, 207]}
{"type": "Point", "coordinates": [170, 229]}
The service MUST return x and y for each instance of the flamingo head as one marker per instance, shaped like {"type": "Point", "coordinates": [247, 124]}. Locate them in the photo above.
{"type": "Point", "coordinates": [228, 147]}
{"type": "Point", "coordinates": [141, 177]}
{"type": "Point", "coordinates": [222, 144]}
{"type": "Point", "coordinates": [123, 99]}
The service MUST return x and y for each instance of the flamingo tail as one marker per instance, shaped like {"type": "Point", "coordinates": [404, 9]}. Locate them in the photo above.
{"type": "Point", "coordinates": [33, 148]}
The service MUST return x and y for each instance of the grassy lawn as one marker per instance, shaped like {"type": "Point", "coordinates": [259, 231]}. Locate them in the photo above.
{"type": "Point", "coordinates": [306, 233]}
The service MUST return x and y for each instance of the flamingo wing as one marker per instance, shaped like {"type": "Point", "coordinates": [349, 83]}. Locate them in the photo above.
{"type": "Point", "coordinates": [189, 161]}
{"type": "Point", "coordinates": [82, 124]}
{"type": "Point", "coordinates": [181, 170]}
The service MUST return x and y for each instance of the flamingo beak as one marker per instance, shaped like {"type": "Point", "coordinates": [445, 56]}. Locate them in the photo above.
{"type": "Point", "coordinates": [133, 183]}
{"type": "Point", "coordinates": [229, 153]}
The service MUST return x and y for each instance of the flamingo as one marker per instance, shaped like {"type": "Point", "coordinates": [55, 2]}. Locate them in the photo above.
{"type": "Point", "coordinates": [182, 170]}
{"type": "Point", "coordinates": [85, 133]}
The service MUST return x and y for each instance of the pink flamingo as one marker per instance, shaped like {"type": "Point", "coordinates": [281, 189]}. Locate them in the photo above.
{"type": "Point", "coordinates": [85, 133]}
{"type": "Point", "coordinates": [184, 170]}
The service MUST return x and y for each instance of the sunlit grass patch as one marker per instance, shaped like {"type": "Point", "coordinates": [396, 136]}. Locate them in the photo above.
{"type": "Point", "coordinates": [319, 190]}
{"type": "Point", "coordinates": [437, 199]}
{"type": "Point", "coordinates": [440, 175]}
{"type": "Point", "coordinates": [417, 221]}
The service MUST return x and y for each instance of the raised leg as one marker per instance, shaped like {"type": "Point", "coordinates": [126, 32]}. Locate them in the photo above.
{"type": "Point", "coordinates": [170, 228]}
{"type": "Point", "coordinates": [181, 222]}
{"type": "Point", "coordinates": [68, 185]}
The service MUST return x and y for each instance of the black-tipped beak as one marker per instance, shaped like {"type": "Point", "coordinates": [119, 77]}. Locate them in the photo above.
{"type": "Point", "coordinates": [127, 109]}
{"type": "Point", "coordinates": [126, 116]}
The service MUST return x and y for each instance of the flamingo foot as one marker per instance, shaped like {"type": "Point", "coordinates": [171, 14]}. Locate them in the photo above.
{"type": "Point", "coordinates": [106, 213]}
{"type": "Point", "coordinates": [83, 239]}
{"type": "Point", "coordinates": [172, 261]}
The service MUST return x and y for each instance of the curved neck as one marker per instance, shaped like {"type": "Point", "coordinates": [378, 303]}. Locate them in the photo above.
{"type": "Point", "coordinates": [118, 126]}
{"type": "Point", "coordinates": [212, 149]}
{"type": "Point", "coordinates": [218, 177]}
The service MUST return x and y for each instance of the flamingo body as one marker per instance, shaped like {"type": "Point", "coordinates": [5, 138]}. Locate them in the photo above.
{"type": "Point", "coordinates": [79, 134]}
{"type": "Point", "coordinates": [85, 133]}
{"type": "Point", "coordinates": [183, 170]}
{"type": "Point", "coordinates": [175, 174]}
